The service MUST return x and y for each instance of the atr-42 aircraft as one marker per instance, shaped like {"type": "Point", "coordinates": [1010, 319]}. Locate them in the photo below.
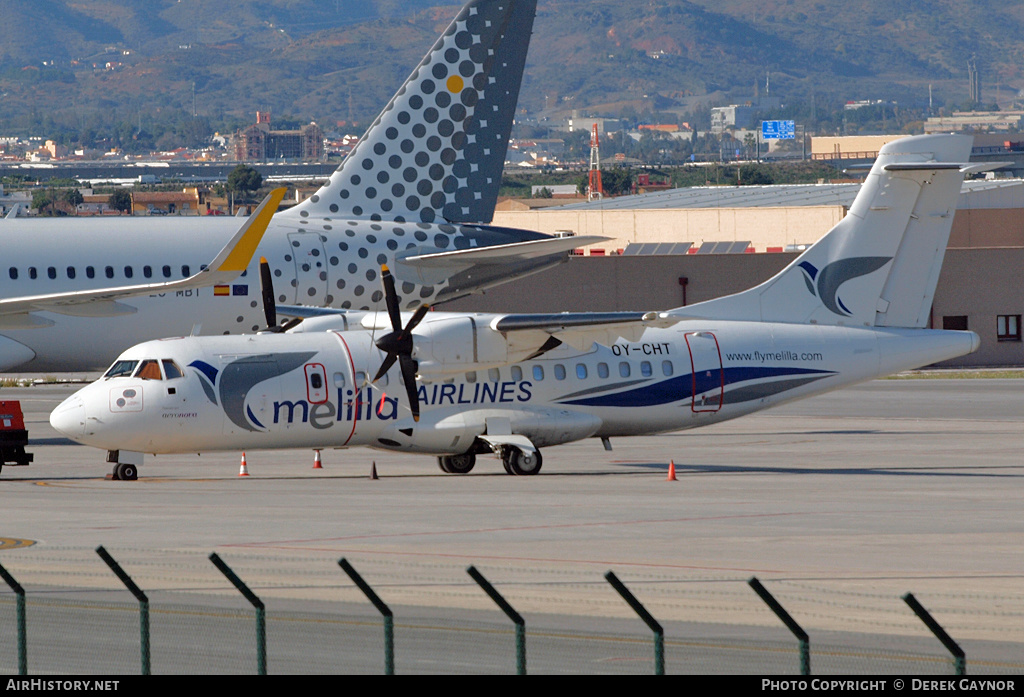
{"type": "Point", "coordinates": [411, 195]}
{"type": "Point", "coordinates": [851, 308]}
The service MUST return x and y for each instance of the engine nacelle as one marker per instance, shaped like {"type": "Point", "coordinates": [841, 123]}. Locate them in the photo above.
{"type": "Point", "coordinates": [457, 344]}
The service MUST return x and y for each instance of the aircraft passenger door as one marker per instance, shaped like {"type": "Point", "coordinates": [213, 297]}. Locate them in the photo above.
{"type": "Point", "coordinates": [316, 383]}
{"type": "Point", "coordinates": [307, 250]}
{"type": "Point", "coordinates": [708, 379]}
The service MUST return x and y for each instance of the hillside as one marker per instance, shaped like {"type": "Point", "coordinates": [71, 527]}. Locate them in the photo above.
{"type": "Point", "coordinates": [340, 60]}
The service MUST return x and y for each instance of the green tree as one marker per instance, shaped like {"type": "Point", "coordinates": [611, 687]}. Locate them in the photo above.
{"type": "Point", "coordinates": [120, 200]}
{"type": "Point", "coordinates": [243, 181]}
{"type": "Point", "coordinates": [42, 201]}
{"type": "Point", "coordinates": [74, 198]}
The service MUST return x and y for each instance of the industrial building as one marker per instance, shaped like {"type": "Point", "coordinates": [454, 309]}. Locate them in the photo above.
{"type": "Point", "coordinates": [258, 143]}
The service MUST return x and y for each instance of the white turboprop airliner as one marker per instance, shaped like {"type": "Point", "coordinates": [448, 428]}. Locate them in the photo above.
{"type": "Point", "coordinates": [851, 308]}
{"type": "Point", "coordinates": [408, 196]}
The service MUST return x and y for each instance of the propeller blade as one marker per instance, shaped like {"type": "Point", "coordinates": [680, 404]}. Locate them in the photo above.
{"type": "Point", "coordinates": [417, 318]}
{"type": "Point", "coordinates": [385, 366]}
{"type": "Point", "coordinates": [391, 297]}
{"type": "Point", "coordinates": [409, 367]}
{"type": "Point", "coordinates": [293, 322]}
{"type": "Point", "coordinates": [267, 289]}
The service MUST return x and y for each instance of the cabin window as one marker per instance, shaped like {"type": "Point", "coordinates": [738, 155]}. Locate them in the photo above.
{"type": "Point", "coordinates": [148, 370]}
{"type": "Point", "coordinates": [339, 380]}
{"type": "Point", "coordinates": [14, 274]}
{"type": "Point", "coordinates": [602, 370]}
{"type": "Point", "coordinates": [581, 371]}
{"type": "Point", "coordinates": [147, 271]}
{"type": "Point", "coordinates": [121, 369]}
{"type": "Point", "coordinates": [471, 376]}
{"type": "Point", "coordinates": [184, 271]}
{"type": "Point", "coordinates": [538, 372]}
{"type": "Point", "coordinates": [71, 272]}
{"type": "Point", "coordinates": [360, 379]}
{"type": "Point", "coordinates": [32, 273]}
{"type": "Point", "coordinates": [128, 273]}
{"type": "Point", "coordinates": [666, 368]}
{"type": "Point", "coordinates": [645, 369]}
{"type": "Point", "coordinates": [559, 371]}
{"type": "Point", "coordinates": [624, 369]}
{"type": "Point", "coordinates": [167, 271]}
{"type": "Point", "coordinates": [494, 375]}
{"type": "Point", "coordinates": [109, 271]}
{"type": "Point", "coordinates": [51, 273]}
{"type": "Point", "coordinates": [90, 272]}
{"type": "Point", "coordinates": [517, 373]}
{"type": "Point", "coordinates": [171, 369]}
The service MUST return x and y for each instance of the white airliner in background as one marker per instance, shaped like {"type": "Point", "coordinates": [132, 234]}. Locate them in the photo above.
{"type": "Point", "coordinates": [409, 195]}
{"type": "Point", "coordinates": [851, 308]}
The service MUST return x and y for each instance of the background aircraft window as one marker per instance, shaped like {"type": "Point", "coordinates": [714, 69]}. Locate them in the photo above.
{"type": "Point", "coordinates": [52, 273]}
{"type": "Point", "coordinates": [121, 369]}
{"type": "Point", "coordinates": [148, 370]}
{"type": "Point", "coordinates": [14, 274]}
{"type": "Point", "coordinates": [517, 373]}
{"type": "Point", "coordinates": [581, 371]}
{"type": "Point", "coordinates": [666, 367]}
{"type": "Point", "coordinates": [493, 374]}
{"type": "Point", "coordinates": [339, 380]}
{"type": "Point", "coordinates": [171, 369]}
{"type": "Point", "coordinates": [128, 272]}
{"type": "Point", "coordinates": [538, 372]}
{"type": "Point", "coordinates": [90, 272]}
{"type": "Point", "coordinates": [109, 271]}
{"type": "Point", "coordinates": [147, 271]}
{"type": "Point", "coordinates": [167, 271]}
{"type": "Point", "coordinates": [32, 272]}
{"type": "Point", "coordinates": [471, 376]}
{"type": "Point", "coordinates": [559, 371]}
{"type": "Point", "coordinates": [184, 271]}
{"type": "Point", "coordinates": [71, 272]}
{"type": "Point", "coordinates": [624, 369]}
{"type": "Point", "coordinates": [602, 370]}
{"type": "Point", "coordinates": [645, 369]}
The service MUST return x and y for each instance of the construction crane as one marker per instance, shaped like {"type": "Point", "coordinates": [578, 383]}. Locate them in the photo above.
{"type": "Point", "coordinates": [594, 188]}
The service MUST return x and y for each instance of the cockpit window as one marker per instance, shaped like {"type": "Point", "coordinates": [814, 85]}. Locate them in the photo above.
{"type": "Point", "coordinates": [171, 369]}
{"type": "Point", "coordinates": [121, 369]}
{"type": "Point", "coordinates": [149, 370]}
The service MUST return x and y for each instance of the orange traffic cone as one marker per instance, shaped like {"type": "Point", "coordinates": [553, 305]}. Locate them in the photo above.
{"type": "Point", "coordinates": [671, 471]}
{"type": "Point", "coordinates": [243, 470]}
{"type": "Point", "coordinates": [316, 461]}
{"type": "Point", "coordinates": [373, 470]}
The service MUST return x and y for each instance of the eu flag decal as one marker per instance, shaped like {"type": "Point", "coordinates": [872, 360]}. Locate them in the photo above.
{"type": "Point", "coordinates": [239, 290]}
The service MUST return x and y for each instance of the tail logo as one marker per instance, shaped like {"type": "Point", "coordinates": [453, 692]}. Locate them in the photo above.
{"type": "Point", "coordinates": [824, 284]}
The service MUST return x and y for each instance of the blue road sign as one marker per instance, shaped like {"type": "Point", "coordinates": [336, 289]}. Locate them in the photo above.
{"type": "Point", "coordinates": [778, 130]}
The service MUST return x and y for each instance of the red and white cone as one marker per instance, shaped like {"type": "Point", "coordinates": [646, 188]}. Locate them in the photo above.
{"type": "Point", "coordinates": [671, 471]}
{"type": "Point", "coordinates": [243, 471]}
{"type": "Point", "coordinates": [316, 461]}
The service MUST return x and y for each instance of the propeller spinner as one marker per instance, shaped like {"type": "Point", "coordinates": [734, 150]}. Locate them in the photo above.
{"type": "Point", "coordinates": [397, 344]}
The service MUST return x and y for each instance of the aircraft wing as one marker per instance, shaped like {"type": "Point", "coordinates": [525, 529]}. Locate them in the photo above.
{"type": "Point", "coordinates": [581, 329]}
{"type": "Point", "coordinates": [231, 261]}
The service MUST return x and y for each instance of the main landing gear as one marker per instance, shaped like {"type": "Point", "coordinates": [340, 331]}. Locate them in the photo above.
{"type": "Point", "coordinates": [515, 461]}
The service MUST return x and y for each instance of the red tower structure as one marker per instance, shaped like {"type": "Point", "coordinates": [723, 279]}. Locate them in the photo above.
{"type": "Point", "coordinates": [594, 188]}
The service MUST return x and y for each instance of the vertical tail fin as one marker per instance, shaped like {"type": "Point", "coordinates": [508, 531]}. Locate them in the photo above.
{"type": "Point", "coordinates": [438, 148]}
{"type": "Point", "coordinates": [880, 264]}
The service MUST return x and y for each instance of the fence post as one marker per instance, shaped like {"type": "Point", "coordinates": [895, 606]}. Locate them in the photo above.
{"type": "Point", "coordinates": [143, 605]}
{"type": "Point", "coordinates": [959, 657]}
{"type": "Point", "coordinates": [653, 624]}
{"type": "Point", "coordinates": [798, 631]}
{"type": "Point", "coordinates": [22, 627]}
{"type": "Point", "coordinates": [382, 608]}
{"type": "Point", "coordinates": [261, 615]}
{"type": "Point", "coordinates": [510, 612]}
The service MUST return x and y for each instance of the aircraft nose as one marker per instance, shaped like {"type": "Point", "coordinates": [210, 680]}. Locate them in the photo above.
{"type": "Point", "coordinates": [69, 417]}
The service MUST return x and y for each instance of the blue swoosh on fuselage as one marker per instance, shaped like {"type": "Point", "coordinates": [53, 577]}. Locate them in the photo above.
{"type": "Point", "coordinates": [681, 387]}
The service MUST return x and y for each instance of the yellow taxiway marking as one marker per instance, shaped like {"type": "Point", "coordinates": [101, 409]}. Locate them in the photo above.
{"type": "Point", "coordinates": [14, 543]}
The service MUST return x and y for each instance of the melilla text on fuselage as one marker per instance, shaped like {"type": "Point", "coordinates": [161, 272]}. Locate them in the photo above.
{"type": "Point", "coordinates": [364, 405]}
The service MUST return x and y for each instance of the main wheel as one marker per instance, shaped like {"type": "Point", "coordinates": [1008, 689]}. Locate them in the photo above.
{"type": "Point", "coordinates": [442, 462]}
{"type": "Point", "coordinates": [461, 464]}
{"type": "Point", "coordinates": [524, 463]}
{"type": "Point", "coordinates": [127, 472]}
